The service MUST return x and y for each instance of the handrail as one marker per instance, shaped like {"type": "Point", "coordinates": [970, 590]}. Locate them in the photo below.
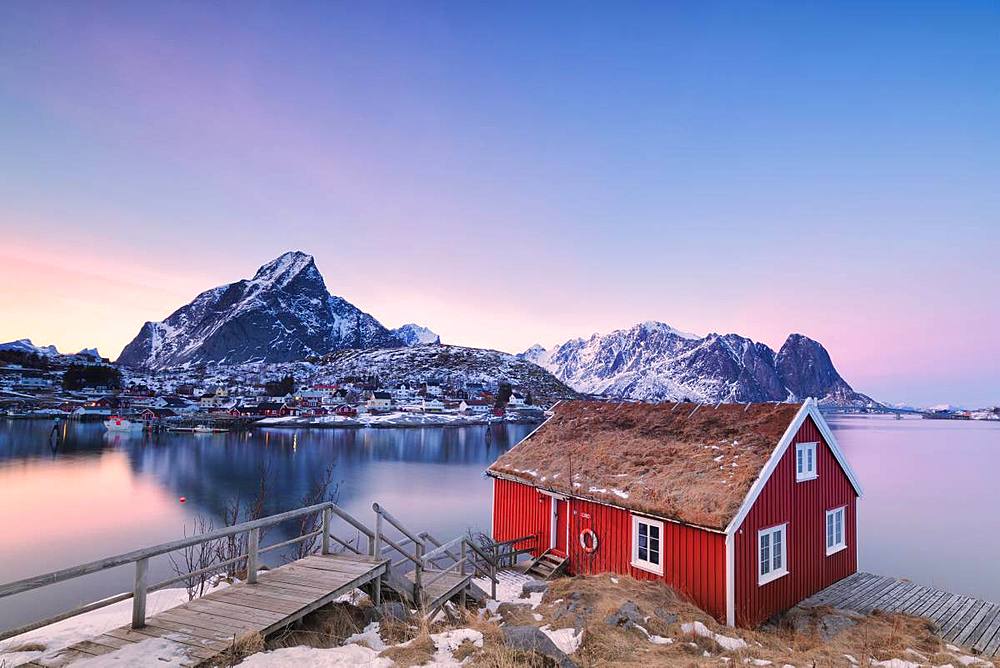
{"type": "Point", "coordinates": [516, 540]}
{"type": "Point", "coordinates": [394, 522]}
{"type": "Point", "coordinates": [141, 558]}
{"type": "Point", "coordinates": [442, 550]}
{"type": "Point", "coordinates": [144, 553]}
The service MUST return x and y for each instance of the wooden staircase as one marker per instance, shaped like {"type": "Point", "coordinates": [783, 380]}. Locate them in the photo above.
{"type": "Point", "coordinates": [547, 565]}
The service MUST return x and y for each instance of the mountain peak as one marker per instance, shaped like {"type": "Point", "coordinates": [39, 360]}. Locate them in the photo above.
{"type": "Point", "coordinates": [284, 268]}
{"type": "Point", "coordinates": [415, 335]}
{"type": "Point", "coordinates": [657, 326]}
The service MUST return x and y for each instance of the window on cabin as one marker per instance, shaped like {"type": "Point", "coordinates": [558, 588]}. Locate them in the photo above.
{"type": "Point", "coordinates": [835, 540]}
{"type": "Point", "coordinates": [647, 544]}
{"type": "Point", "coordinates": [805, 461]}
{"type": "Point", "coordinates": [771, 552]}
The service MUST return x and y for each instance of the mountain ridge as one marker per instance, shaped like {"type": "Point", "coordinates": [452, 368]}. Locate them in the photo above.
{"type": "Point", "coordinates": [652, 361]}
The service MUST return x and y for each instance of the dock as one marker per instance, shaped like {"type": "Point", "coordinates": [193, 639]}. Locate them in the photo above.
{"type": "Point", "coordinates": [428, 575]}
{"type": "Point", "coordinates": [960, 620]}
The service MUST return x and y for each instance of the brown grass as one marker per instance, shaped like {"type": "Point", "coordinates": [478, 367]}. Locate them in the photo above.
{"type": "Point", "coordinates": [659, 454]}
{"type": "Point", "coordinates": [417, 652]}
{"type": "Point", "coordinates": [240, 649]}
{"type": "Point", "coordinates": [327, 627]}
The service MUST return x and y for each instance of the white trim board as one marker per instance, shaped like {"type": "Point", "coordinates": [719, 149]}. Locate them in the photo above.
{"type": "Point", "coordinates": [809, 409]}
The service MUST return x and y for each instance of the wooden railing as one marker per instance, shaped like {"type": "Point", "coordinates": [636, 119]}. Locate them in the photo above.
{"type": "Point", "coordinates": [506, 553]}
{"type": "Point", "coordinates": [141, 558]}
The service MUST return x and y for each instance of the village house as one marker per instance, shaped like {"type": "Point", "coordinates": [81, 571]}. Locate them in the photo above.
{"type": "Point", "coordinates": [475, 407]}
{"type": "Point", "coordinates": [379, 400]}
{"type": "Point", "coordinates": [746, 509]}
{"type": "Point", "coordinates": [432, 405]}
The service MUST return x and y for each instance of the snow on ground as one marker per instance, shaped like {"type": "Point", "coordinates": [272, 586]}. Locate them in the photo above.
{"type": "Point", "coordinates": [152, 653]}
{"type": "Point", "coordinates": [568, 640]}
{"type": "Point", "coordinates": [508, 590]}
{"type": "Point", "coordinates": [83, 627]}
{"type": "Point", "coordinates": [726, 642]}
{"type": "Point", "coordinates": [335, 657]}
{"type": "Point", "coordinates": [352, 654]}
{"type": "Point", "coordinates": [396, 419]}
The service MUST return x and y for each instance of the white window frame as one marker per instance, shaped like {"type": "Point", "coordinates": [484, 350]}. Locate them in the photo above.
{"type": "Point", "coordinates": [645, 564]}
{"type": "Point", "coordinates": [773, 573]}
{"type": "Point", "coordinates": [805, 454]}
{"type": "Point", "coordinates": [831, 544]}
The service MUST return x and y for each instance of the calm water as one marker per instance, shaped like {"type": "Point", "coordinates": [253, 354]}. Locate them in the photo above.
{"type": "Point", "coordinates": [100, 494]}
{"type": "Point", "coordinates": [929, 511]}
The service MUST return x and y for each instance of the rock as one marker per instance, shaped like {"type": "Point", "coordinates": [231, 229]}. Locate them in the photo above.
{"type": "Point", "coordinates": [628, 616]}
{"type": "Point", "coordinates": [394, 610]}
{"type": "Point", "coordinates": [534, 587]}
{"type": "Point", "coordinates": [829, 626]}
{"type": "Point", "coordinates": [531, 639]}
{"type": "Point", "coordinates": [507, 609]}
{"type": "Point", "coordinates": [665, 616]}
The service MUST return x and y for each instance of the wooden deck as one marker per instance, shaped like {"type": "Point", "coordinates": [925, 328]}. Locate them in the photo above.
{"type": "Point", "coordinates": [961, 620]}
{"type": "Point", "coordinates": [206, 627]}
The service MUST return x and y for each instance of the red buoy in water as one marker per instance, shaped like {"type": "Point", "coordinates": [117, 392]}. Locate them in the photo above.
{"type": "Point", "coordinates": [182, 499]}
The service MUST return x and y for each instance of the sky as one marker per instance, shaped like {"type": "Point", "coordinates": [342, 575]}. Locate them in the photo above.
{"type": "Point", "coordinates": [517, 173]}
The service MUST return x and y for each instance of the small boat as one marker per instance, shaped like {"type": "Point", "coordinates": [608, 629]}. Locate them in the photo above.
{"type": "Point", "coordinates": [205, 429]}
{"type": "Point", "coordinates": [119, 423]}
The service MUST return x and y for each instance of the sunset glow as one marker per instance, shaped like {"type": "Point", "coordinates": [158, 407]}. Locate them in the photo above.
{"type": "Point", "coordinates": [506, 179]}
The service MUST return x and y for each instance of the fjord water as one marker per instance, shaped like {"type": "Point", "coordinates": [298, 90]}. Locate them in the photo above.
{"type": "Point", "coordinates": [928, 512]}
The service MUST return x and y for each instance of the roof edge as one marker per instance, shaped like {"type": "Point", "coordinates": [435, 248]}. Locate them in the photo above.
{"type": "Point", "coordinates": [810, 409]}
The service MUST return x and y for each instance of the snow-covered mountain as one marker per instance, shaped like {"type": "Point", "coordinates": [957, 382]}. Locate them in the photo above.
{"type": "Point", "coordinates": [283, 313]}
{"type": "Point", "coordinates": [26, 346]}
{"type": "Point", "coordinates": [451, 365]}
{"type": "Point", "coordinates": [655, 362]}
{"type": "Point", "coordinates": [415, 335]}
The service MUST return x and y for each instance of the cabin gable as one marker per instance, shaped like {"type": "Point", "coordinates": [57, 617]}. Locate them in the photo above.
{"type": "Point", "coordinates": [801, 507]}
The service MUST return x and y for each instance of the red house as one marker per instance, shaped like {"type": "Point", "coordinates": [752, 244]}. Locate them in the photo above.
{"type": "Point", "coordinates": [747, 509]}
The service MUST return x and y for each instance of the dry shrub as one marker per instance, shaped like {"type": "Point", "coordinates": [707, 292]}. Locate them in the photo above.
{"type": "Point", "coordinates": [466, 649]}
{"type": "Point", "coordinates": [241, 648]}
{"type": "Point", "coordinates": [327, 627]}
{"type": "Point", "coordinates": [499, 655]}
{"type": "Point", "coordinates": [416, 652]}
{"type": "Point", "coordinates": [25, 647]}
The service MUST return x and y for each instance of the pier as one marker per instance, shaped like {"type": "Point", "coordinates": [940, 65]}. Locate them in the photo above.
{"type": "Point", "coordinates": [383, 558]}
{"type": "Point", "coordinates": [961, 620]}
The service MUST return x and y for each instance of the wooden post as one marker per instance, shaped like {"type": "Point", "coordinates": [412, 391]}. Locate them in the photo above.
{"type": "Point", "coordinates": [253, 538]}
{"type": "Point", "coordinates": [139, 594]}
{"type": "Point", "coordinates": [493, 580]}
{"type": "Point", "coordinates": [418, 571]}
{"type": "Point", "coordinates": [377, 589]}
{"type": "Point", "coordinates": [462, 567]}
{"type": "Point", "coordinates": [375, 544]}
{"type": "Point", "coordinates": [327, 516]}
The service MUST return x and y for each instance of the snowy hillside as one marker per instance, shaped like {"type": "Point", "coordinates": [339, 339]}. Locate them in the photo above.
{"type": "Point", "coordinates": [655, 362]}
{"type": "Point", "coordinates": [26, 346]}
{"type": "Point", "coordinates": [283, 313]}
{"type": "Point", "coordinates": [450, 365]}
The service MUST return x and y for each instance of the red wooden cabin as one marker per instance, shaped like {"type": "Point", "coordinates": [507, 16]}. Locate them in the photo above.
{"type": "Point", "coordinates": [747, 509]}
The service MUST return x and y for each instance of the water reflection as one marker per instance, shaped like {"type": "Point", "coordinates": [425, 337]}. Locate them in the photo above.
{"type": "Point", "coordinates": [100, 493]}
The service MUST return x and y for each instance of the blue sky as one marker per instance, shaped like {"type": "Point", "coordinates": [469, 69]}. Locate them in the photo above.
{"type": "Point", "coordinates": [513, 173]}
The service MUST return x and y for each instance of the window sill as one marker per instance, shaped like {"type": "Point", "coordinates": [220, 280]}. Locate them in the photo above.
{"type": "Point", "coordinates": [771, 577]}
{"type": "Point", "coordinates": [648, 567]}
{"type": "Point", "coordinates": [806, 478]}
{"type": "Point", "coordinates": [834, 550]}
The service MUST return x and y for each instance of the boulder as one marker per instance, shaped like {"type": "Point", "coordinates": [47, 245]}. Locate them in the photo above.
{"type": "Point", "coordinates": [531, 639]}
{"type": "Point", "coordinates": [394, 610]}
{"type": "Point", "coordinates": [627, 615]}
{"type": "Point", "coordinates": [534, 587]}
{"type": "Point", "coordinates": [831, 625]}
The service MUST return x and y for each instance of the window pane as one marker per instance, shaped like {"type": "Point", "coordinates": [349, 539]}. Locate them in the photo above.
{"type": "Point", "coordinates": [654, 532]}
{"type": "Point", "coordinates": [643, 555]}
{"type": "Point", "coordinates": [654, 557]}
{"type": "Point", "coordinates": [798, 463]}
{"type": "Point", "coordinates": [643, 529]}
{"type": "Point", "coordinates": [840, 527]}
{"type": "Point", "coordinates": [765, 554]}
{"type": "Point", "coordinates": [777, 549]}
{"type": "Point", "coordinates": [809, 460]}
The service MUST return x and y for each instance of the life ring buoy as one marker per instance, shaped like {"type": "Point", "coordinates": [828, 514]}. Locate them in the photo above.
{"type": "Point", "coordinates": [588, 548]}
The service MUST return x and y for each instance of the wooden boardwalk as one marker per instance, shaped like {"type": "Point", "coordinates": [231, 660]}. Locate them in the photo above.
{"type": "Point", "coordinates": [205, 628]}
{"type": "Point", "coordinates": [961, 620]}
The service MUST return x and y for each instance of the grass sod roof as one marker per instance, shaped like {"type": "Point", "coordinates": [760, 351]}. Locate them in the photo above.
{"type": "Point", "coordinates": [653, 458]}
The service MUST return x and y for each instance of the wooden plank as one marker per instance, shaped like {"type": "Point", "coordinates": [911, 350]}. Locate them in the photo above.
{"type": "Point", "coordinates": [207, 621]}
{"type": "Point", "coordinates": [978, 624]}
{"type": "Point", "coordinates": [934, 608]}
{"type": "Point", "coordinates": [991, 630]}
{"type": "Point", "coordinates": [928, 603]}
{"type": "Point", "coordinates": [313, 584]}
{"type": "Point", "coordinates": [259, 602]}
{"type": "Point", "coordinates": [869, 599]}
{"type": "Point", "coordinates": [135, 636]}
{"type": "Point", "coordinates": [843, 598]}
{"type": "Point", "coordinates": [275, 590]}
{"type": "Point", "coordinates": [319, 576]}
{"type": "Point", "coordinates": [958, 622]}
{"type": "Point", "coordinates": [331, 563]}
{"type": "Point", "coordinates": [184, 638]}
{"type": "Point", "coordinates": [234, 612]}
{"type": "Point", "coordinates": [192, 630]}
{"type": "Point", "coordinates": [906, 600]}
{"type": "Point", "coordinates": [993, 646]}
{"type": "Point", "coordinates": [866, 593]}
{"type": "Point", "coordinates": [921, 602]}
{"type": "Point", "coordinates": [944, 615]}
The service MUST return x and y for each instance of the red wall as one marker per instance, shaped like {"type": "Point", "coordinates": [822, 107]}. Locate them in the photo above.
{"type": "Point", "coordinates": [694, 559]}
{"type": "Point", "coordinates": [803, 506]}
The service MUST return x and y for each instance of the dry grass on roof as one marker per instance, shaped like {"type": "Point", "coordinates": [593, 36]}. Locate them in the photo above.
{"type": "Point", "coordinates": [657, 458]}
